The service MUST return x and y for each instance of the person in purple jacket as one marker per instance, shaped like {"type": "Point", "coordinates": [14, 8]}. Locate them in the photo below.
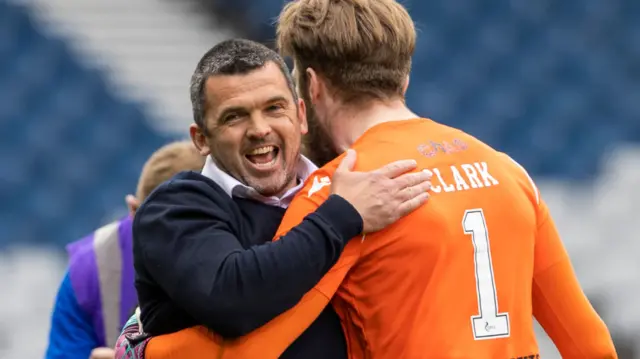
{"type": "Point", "coordinates": [97, 294]}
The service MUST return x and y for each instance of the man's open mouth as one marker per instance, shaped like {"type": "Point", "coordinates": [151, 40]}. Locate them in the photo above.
{"type": "Point", "coordinates": [263, 157]}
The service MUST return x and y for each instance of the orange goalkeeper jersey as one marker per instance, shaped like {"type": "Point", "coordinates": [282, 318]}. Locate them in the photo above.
{"type": "Point", "coordinates": [461, 277]}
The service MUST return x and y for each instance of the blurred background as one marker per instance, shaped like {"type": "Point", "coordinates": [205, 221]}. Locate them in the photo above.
{"type": "Point", "coordinates": [90, 88]}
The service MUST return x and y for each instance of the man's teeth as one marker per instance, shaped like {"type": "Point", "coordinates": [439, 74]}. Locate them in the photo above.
{"type": "Point", "coordinates": [261, 150]}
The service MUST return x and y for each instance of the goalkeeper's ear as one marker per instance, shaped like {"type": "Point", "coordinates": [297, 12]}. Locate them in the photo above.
{"type": "Point", "coordinates": [133, 204]}
{"type": "Point", "coordinates": [406, 86]}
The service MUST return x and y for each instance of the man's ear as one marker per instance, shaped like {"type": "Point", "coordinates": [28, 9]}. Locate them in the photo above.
{"type": "Point", "coordinates": [315, 85]}
{"type": "Point", "coordinates": [133, 204]}
{"type": "Point", "coordinates": [406, 86]}
{"type": "Point", "coordinates": [199, 139]}
{"type": "Point", "coordinates": [302, 116]}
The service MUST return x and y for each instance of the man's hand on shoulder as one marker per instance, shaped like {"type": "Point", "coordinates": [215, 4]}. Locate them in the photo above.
{"type": "Point", "coordinates": [381, 196]}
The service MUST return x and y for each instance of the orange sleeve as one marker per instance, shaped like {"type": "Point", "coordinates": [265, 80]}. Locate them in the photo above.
{"type": "Point", "coordinates": [559, 303]}
{"type": "Point", "coordinates": [274, 338]}
{"type": "Point", "coordinates": [303, 205]}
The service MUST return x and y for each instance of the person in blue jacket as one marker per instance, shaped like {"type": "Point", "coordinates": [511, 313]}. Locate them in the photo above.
{"type": "Point", "coordinates": [97, 295]}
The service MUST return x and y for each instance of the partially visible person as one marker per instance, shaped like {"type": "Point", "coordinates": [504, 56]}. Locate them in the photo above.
{"type": "Point", "coordinates": [202, 242]}
{"type": "Point", "coordinates": [97, 294]}
{"type": "Point", "coordinates": [461, 277]}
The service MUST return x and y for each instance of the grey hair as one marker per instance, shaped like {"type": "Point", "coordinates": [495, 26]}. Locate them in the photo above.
{"type": "Point", "coordinates": [232, 57]}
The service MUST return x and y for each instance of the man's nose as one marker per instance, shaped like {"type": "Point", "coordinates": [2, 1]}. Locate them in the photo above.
{"type": "Point", "coordinates": [259, 127]}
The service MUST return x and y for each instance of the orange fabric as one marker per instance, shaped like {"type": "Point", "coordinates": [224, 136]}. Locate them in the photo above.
{"type": "Point", "coordinates": [413, 290]}
{"type": "Point", "coordinates": [196, 342]}
{"type": "Point", "coordinates": [267, 342]}
{"type": "Point", "coordinates": [559, 304]}
{"type": "Point", "coordinates": [416, 290]}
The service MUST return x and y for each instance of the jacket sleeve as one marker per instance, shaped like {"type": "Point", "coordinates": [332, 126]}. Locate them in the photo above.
{"type": "Point", "coordinates": [277, 335]}
{"type": "Point", "coordinates": [71, 335]}
{"type": "Point", "coordinates": [559, 304]}
{"type": "Point", "coordinates": [191, 252]}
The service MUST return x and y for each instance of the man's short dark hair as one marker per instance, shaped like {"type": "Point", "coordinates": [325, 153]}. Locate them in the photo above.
{"type": "Point", "coordinates": [232, 57]}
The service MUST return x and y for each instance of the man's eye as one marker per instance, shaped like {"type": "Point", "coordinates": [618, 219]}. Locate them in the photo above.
{"type": "Point", "coordinates": [231, 117]}
{"type": "Point", "coordinates": [275, 107]}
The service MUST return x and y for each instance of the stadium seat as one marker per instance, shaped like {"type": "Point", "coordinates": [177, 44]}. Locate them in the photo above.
{"type": "Point", "coordinates": [63, 135]}
{"type": "Point", "coordinates": [547, 82]}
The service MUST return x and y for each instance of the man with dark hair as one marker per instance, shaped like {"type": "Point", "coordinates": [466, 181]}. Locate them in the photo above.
{"type": "Point", "coordinates": [220, 60]}
{"type": "Point", "coordinates": [202, 242]}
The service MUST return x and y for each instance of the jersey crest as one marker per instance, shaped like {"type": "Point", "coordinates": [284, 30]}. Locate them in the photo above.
{"type": "Point", "coordinates": [318, 184]}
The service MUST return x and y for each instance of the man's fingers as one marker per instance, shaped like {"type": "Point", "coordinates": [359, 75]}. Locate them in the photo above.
{"type": "Point", "coordinates": [412, 204]}
{"type": "Point", "coordinates": [395, 169]}
{"type": "Point", "coordinates": [348, 162]}
{"type": "Point", "coordinates": [414, 191]}
{"type": "Point", "coordinates": [412, 179]}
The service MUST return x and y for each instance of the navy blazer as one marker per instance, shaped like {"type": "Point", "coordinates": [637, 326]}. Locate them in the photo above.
{"type": "Point", "coordinates": [204, 258]}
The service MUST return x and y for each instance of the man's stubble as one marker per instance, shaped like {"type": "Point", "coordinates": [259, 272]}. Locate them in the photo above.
{"type": "Point", "coordinates": [317, 145]}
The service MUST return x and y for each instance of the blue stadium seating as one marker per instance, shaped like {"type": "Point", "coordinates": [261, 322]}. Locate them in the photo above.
{"type": "Point", "coordinates": [552, 83]}
{"type": "Point", "coordinates": [63, 136]}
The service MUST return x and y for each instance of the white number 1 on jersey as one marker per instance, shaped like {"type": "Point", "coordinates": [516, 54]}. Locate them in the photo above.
{"type": "Point", "coordinates": [488, 324]}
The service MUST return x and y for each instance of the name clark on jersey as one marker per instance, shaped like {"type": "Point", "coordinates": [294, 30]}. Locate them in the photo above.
{"type": "Point", "coordinates": [465, 176]}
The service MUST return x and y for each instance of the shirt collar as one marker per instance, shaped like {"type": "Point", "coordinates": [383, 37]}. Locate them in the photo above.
{"type": "Point", "coordinates": [235, 188]}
